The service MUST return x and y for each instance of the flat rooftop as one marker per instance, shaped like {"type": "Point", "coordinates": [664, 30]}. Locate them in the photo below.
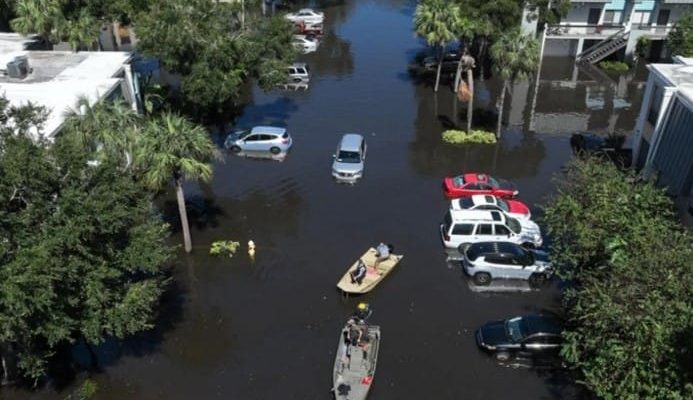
{"type": "Point", "coordinates": [58, 78]}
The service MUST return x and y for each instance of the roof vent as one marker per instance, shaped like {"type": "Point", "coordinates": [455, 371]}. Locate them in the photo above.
{"type": "Point", "coordinates": [18, 68]}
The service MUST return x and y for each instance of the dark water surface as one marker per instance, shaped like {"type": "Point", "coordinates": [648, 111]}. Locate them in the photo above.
{"type": "Point", "coordinates": [268, 328]}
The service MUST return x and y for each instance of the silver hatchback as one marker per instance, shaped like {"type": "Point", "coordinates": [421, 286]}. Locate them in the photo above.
{"type": "Point", "coordinates": [349, 158]}
{"type": "Point", "coordinates": [484, 261]}
{"type": "Point", "coordinates": [260, 138]}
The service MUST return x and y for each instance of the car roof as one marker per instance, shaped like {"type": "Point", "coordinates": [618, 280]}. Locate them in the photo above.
{"type": "Point", "coordinates": [273, 130]}
{"type": "Point", "coordinates": [479, 199]}
{"type": "Point", "coordinates": [468, 178]}
{"type": "Point", "coordinates": [351, 142]}
{"type": "Point", "coordinates": [476, 215]}
{"type": "Point", "coordinates": [306, 10]}
{"type": "Point", "coordinates": [297, 65]}
{"type": "Point", "coordinates": [542, 324]}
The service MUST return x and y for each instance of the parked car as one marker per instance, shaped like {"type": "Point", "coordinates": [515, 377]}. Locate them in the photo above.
{"type": "Point", "coordinates": [533, 335]}
{"type": "Point", "coordinates": [303, 28]}
{"type": "Point", "coordinates": [462, 228]}
{"type": "Point", "coordinates": [472, 183]}
{"type": "Point", "coordinates": [485, 261]}
{"type": "Point", "coordinates": [349, 158]}
{"type": "Point", "coordinates": [513, 208]}
{"type": "Point", "coordinates": [298, 73]}
{"type": "Point", "coordinates": [260, 138]}
{"type": "Point", "coordinates": [305, 43]}
{"type": "Point", "coordinates": [450, 61]}
{"type": "Point", "coordinates": [306, 15]}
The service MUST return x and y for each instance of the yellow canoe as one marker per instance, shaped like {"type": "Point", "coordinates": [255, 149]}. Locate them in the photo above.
{"type": "Point", "coordinates": [373, 274]}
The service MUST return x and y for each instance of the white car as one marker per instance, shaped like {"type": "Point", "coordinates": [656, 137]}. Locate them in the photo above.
{"type": "Point", "coordinates": [462, 228]}
{"type": "Point", "coordinates": [306, 15]}
{"type": "Point", "coordinates": [305, 44]}
{"type": "Point", "coordinates": [513, 208]}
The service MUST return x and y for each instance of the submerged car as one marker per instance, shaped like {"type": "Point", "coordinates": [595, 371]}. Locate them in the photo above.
{"type": "Point", "coordinates": [349, 158]}
{"type": "Point", "coordinates": [460, 228]}
{"type": "Point", "coordinates": [513, 208]}
{"type": "Point", "coordinates": [450, 61]}
{"type": "Point", "coordinates": [305, 43]}
{"type": "Point", "coordinates": [260, 138]}
{"type": "Point", "coordinates": [470, 184]}
{"type": "Point", "coordinates": [485, 261]}
{"type": "Point", "coordinates": [306, 15]}
{"type": "Point", "coordinates": [298, 73]}
{"type": "Point", "coordinates": [531, 335]}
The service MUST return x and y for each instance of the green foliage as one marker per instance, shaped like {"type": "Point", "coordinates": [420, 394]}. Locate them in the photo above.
{"type": "Point", "coordinates": [643, 46]}
{"type": "Point", "coordinates": [224, 246]}
{"type": "Point", "coordinates": [436, 21]}
{"type": "Point", "coordinates": [462, 137]}
{"type": "Point", "coordinates": [86, 391]}
{"type": "Point", "coordinates": [206, 43]}
{"type": "Point", "coordinates": [83, 248]}
{"type": "Point", "coordinates": [630, 310]}
{"type": "Point", "coordinates": [545, 15]}
{"type": "Point", "coordinates": [515, 56]}
{"type": "Point", "coordinates": [614, 66]}
{"type": "Point", "coordinates": [680, 39]}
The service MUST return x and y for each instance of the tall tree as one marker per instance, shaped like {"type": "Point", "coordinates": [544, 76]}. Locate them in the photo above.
{"type": "Point", "coordinates": [515, 57]}
{"type": "Point", "coordinates": [174, 149]}
{"type": "Point", "coordinates": [42, 17]}
{"type": "Point", "coordinates": [680, 39]}
{"type": "Point", "coordinates": [83, 249]}
{"type": "Point", "coordinates": [205, 43]}
{"type": "Point", "coordinates": [630, 305]}
{"type": "Point", "coordinates": [437, 22]}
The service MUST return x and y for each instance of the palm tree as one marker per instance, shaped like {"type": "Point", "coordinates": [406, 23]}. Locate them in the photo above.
{"type": "Point", "coordinates": [173, 147]}
{"type": "Point", "coordinates": [515, 57]}
{"type": "Point", "coordinates": [466, 29]}
{"type": "Point", "coordinates": [81, 32]}
{"type": "Point", "coordinates": [437, 22]}
{"type": "Point", "coordinates": [42, 17]}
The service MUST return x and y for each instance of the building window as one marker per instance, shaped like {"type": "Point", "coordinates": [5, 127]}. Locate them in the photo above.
{"type": "Point", "coordinates": [641, 17]}
{"type": "Point", "coordinates": [656, 103]}
{"type": "Point", "coordinates": [611, 17]}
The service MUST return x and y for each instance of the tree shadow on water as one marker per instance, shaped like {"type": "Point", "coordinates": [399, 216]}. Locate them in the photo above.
{"type": "Point", "coordinates": [203, 213]}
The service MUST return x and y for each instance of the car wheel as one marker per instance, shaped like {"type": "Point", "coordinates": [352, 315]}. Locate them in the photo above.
{"type": "Point", "coordinates": [502, 356]}
{"type": "Point", "coordinates": [235, 149]}
{"type": "Point", "coordinates": [537, 280]}
{"type": "Point", "coordinates": [463, 247]}
{"type": "Point", "coordinates": [275, 150]}
{"type": "Point", "coordinates": [528, 245]}
{"type": "Point", "coordinates": [482, 278]}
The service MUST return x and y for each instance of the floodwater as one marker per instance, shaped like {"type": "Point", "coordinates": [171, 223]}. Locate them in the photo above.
{"type": "Point", "coordinates": [264, 328]}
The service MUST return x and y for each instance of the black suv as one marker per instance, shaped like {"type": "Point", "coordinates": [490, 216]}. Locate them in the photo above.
{"type": "Point", "coordinates": [531, 335]}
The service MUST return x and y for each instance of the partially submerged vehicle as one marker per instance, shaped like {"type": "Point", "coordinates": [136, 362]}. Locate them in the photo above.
{"type": "Point", "coordinates": [375, 272]}
{"type": "Point", "coordinates": [356, 359]}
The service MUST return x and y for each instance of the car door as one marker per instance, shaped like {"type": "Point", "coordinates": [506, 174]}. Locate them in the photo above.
{"type": "Point", "coordinates": [470, 189]}
{"type": "Point", "coordinates": [461, 233]}
{"type": "Point", "coordinates": [496, 265]}
{"type": "Point", "coordinates": [250, 143]}
{"type": "Point", "coordinates": [501, 233]}
{"type": "Point", "coordinates": [484, 233]}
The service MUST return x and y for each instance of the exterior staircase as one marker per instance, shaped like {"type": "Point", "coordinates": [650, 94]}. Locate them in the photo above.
{"type": "Point", "coordinates": [606, 47]}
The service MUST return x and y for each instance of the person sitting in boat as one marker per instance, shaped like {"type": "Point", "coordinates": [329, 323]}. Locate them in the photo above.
{"type": "Point", "coordinates": [382, 252]}
{"type": "Point", "coordinates": [359, 273]}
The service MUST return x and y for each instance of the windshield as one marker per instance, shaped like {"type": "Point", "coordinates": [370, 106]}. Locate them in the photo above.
{"type": "Point", "coordinates": [350, 157]}
{"type": "Point", "coordinates": [515, 329]}
{"type": "Point", "coordinates": [503, 205]}
{"type": "Point", "coordinates": [242, 134]}
{"type": "Point", "coordinates": [514, 225]}
{"type": "Point", "coordinates": [492, 181]}
{"type": "Point", "coordinates": [458, 181]}
{"type": "Point", "coordinates": [466, 203]}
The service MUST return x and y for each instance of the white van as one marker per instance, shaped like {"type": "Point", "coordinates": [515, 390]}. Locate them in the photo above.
{"type": "Point", "coordinates": [463, 227]}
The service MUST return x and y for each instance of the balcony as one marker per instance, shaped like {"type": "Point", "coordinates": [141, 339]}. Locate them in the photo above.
{"type": "Point", "coordinates": [651, 31]}
{"type": "Point", "coordinates": [590, 31]}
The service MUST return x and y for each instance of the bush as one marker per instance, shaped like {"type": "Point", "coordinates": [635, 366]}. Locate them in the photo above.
{"type": "Point", "coordinates": [614, 66]}
{"type": "Point", "coordinates": [642, 47]}
{"type": "Point", "coordinates": [224, 246]}
{"type": "Point", "coordinates": [461, 137]}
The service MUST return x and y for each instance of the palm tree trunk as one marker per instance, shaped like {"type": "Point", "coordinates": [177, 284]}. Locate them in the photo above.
{"type": "Point", "coordinates": [500, 109]}
{"type": "Point", "coordinates": [440, 66]}
{"type": "Point", "coordinates": [470, 103]}
{"type": "Point", "coordinates": [183, 214]}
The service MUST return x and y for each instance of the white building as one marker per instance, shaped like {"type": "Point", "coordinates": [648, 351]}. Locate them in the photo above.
{"type": "Point", "coordinates": [663, 137]}
{"type": "Point", "coordinates": [57, 79]}
{"type": "Point", "coordinates": [595, 29]}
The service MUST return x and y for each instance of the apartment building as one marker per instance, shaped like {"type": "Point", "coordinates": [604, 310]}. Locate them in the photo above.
{"type": "Point", "coordinates": [595, 29]}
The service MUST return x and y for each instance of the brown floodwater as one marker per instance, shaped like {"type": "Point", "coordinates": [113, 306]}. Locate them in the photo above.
{"type": "Point", "coordinates": [267, 328]}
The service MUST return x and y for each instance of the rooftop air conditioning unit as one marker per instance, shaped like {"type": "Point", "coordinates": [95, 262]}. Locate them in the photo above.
{"type": "Point", "coordinates": [18, 68]}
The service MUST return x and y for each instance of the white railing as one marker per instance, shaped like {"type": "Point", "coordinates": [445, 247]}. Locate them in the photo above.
{"type": "Point", "coordinates": [583, 30]}
{"type": "Point", "coordinates": [651, 30]}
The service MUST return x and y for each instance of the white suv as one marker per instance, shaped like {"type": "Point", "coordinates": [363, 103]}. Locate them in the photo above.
{"type": "Point", "coordinates": [463, 227]}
